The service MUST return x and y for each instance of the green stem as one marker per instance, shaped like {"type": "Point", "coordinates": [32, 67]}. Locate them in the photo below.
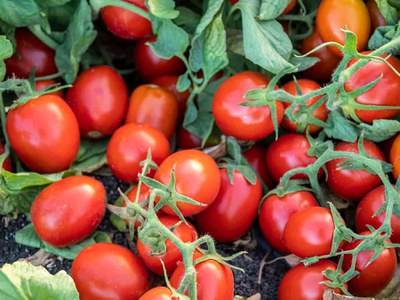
{"type": "Point", "coordinates": [38, 32]}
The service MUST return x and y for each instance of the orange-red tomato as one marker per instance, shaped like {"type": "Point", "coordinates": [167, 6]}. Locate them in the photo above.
{"type": "Point", "coordinates": [395, 157]}
{"type": "Point", "coordinates": [158, 293]}
{"type": "Point", "coordinates": [377, 19]}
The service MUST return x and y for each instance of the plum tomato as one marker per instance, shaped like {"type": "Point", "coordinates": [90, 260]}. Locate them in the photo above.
{"type": "Point", "coordinates": [7, 163]}
{"type": "Point", "coordinates": [243, 122]}
{"type": "Point", "coordinates": [158, 293]}
{"type": "Point", "coordinates": [99, 99]}
{"type": "Point", "coordinates": [105, 271]}
{"type": "Point", "coordinates": [235, 207]}
{"type": "Point", "coordinates": [41, 147]}
{"type": "Point", "coordinates": [197, 176]}
{"type": "Point", "coordinates": [125, 23]}
{"type": "Point", "coordinates": [129, 145]}
{"type": "Point", "coordinates": [352, 184]}
{"type": "Point", "coordinates": [186, 139]}
{"type": "Point", "coordinates": [42, 84]}
{"type": "Point", "coordinates": [394, 156]}
{"type": "Point", "coordinates": [275, 211]}
{"type": "Point", "coordinates": [68, 210]}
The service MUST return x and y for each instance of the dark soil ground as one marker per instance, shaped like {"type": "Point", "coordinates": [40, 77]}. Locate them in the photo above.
{"type": "Point", "coordinates": [245, 283]}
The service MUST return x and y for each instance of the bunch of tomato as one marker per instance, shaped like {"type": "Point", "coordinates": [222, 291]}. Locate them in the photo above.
{"type": "Point", "coordinates": [311, 155]}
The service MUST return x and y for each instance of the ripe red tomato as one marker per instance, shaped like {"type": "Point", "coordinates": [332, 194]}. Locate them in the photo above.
{"type": "Point", "coordinates": [322, 70]}
{"type": "Point", "coordinates": [369, 206]}
{"type": "Point", "coordinates": [128, 146]}
{"type": "Point", "coordinates": [243, 122]}
{"type": "Point", "coordinates": [309, 232]}
{"type": "Point", "coordinates": [276, 211]}
{"type": "Point", "coordinates": [105, 271]}
{"type": "Point", "coordinates": [124, 23]}
{"type": "Point", "coordinates": [69, 210]}
{"type": "Point", "coordinates": [377, 19]}
{"type": "Point", "coordinates": [149, 66]}
{"type": "Point", "coordinates": [395, 156]}
{"type": "Point", "coordinates": [373, 277]}
{"type": "Point", "coordinates": [158, 293]}
{"type": "Point", "coordinates": [7, 163]}
{"type": "Point", "coordinates": [306, 86]}
{"type": "Point", "coordinates": [255, 156]}
{"type": "Point", "coordinates": [214, 280]}
{"type": "Point", "coordinates": [288, 152]}
{"type": "Point", "coordinates": [235, 207]}
{"type": "Point", "coordinates": [353, 184]}
{"type": "Point", "coordinates": [305, 283]}
{"type": "Point", "coordinates": [42, 84]}
{"type": "Point", "coordinates": [332, 16]}
{"type": "Point", "coordinates": [172, 255]}
{"type": "Point", "coordinates": [99, 99]}
{"type": "Point", "coordinates": [155, 106]}
{"type": "Point", "coordinates": [37, 131]}
{"type": "Point", "coordinates": [384, 93]}
{"type": "Point", "coordinates": [30, 53]}
{"type": "Point", "coordinates": [186, 139]}
{"type": "Point", "coordinates": [289, 7]}
{"type": "Point", "coordinates": [197, 176]}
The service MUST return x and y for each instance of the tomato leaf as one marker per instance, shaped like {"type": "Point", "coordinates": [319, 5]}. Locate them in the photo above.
{"type": "Point", "coordinates": [163, 9]}
{"type": "Point", "coordinates": [383, 35]}
{"type": "Point", "coordinates": [22, 280]}
{"type": "Point", "coordinates": [20, 13]}
{"type": "Point", "coordinates": [187, 19]}
{"type": "Point", "coordinates": [6, 50]}
{"type": "Point", "coordinates": [303, 63]}
{"type": "Point", "coordinates": [380, 130]}
{"type": "Point", "coordinates": [27, 236]}
{"type": "Point", "coordinates": [388, 12]}
{"type": "Point", "coordinates": [340, 128]}
{"type": "Point", "coordinates": [271, 9]}
{"type": "Point", "coordinates": [91, 155]}
{"type": "Point", "coordinates": [79, 35]}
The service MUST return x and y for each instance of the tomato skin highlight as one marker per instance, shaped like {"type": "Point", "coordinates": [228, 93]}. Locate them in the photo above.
{"type": "Point", "coordinates": [129, 145]}
{"type": "Point", "coordinates": [68, 210]}
{"type": "Point", "coordinates": [124, 23]}
{"type": "Point", "coordinates": [235, 207]}
{"type": "Point", "coordinates": [35, 142]}
{"type": "Point", "coordinates": [158, 293]}
{"type": "Point", "coordinates": [334, 15]}
{"type": "Point", "coordinates": [275, 212]}
{"type": "Point", "coordinates": [353, 184]}
{"type": "Point", "coordinates": [197, 176]}
{"type": "Point", "coordinates": [243, 122]}
{"type": "Point", "coordinates": [106, 271]}
{"type": "Point", "coordinates": [7, 163]}
{"type": "Point", "coordinates": [99, 99]}
{"type": "Point", "coordinates": [30, 53]}
{"type": "Point", "coordinates": [154, 106]}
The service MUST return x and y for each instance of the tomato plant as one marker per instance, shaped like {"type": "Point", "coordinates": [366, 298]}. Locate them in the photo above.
{"type": "Point", "coordinates": [42, 147]}
{"type": "Point", "coordinates": [255, 156]}
{"type": "Point", "coordinates": [42, 84]}
{"type": "Point", "coordinates": [7, 163]}
{"type": "Point", "coordinates": [109, 271]}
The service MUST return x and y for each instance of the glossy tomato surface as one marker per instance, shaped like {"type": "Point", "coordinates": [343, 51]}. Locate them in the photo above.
{"type": "Point", "coordinates": [353, 184]}
{"type": "Point", "coordinates": [333, 15]}
{"type": "Point", "coordinates": [129, 145]}
{"type": "Point", "coordinates": [30, 53]}
{"type": "Point", "coordinates": [124, 23]}
{"type": "Point", "coordinates": [37, 131]}
{"type": "Point", "coordinates": [243, 122]}
{"type": "Point", "coordinates": [7, 163]}
{"type": "Point", "coordinates": [197, 176]}
{"type": "Point", "coordinates": [235, 207]}
{"type": "Point", "coordinates": [275, 211]}
{"type": "Point", "coordinates": [106, 271]}
{"type": "Point", "coordinates": [155, 106]}
{"type": "Point", "coordinates": [99, 99]}
{"type": "Point", "coordinates": [158, 293]}
{"type": "Point", "coordinates": [68, 210]}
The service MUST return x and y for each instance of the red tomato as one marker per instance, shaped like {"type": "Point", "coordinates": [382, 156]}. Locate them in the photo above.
{"type": "Point", "coordinates": [172, 255]}
{"type": "Point", "coordinates": [373, 277]}
{"type": "Point", "coordinates": [149, 66]}
{"type": "Point", "coordinates": [333, 15]}
{"type": "Point", "coordinates": [37, 131]}
{"type": "Point", "coordinates": [306, 86]}
{"type": "Point", "coordinates": [197, 176]}
{"type": "Point", "coordinates": [69, 210]}
{"type": "Point", "coordinates": [305, 283]}
{"type": "Point", "coordinates": [288, 152]}
{"type": "Point", "coordinates": [309, 232]}
{"type": "Point", "coordinates": [155, 106]}
{"type": "Point", "coordinates": [124, 23]}
{"type": "Point", "coordinates": [255, 156]}
{"type": "Point", "coordinates": [42, 84]}
{"type": "Point", "coordinates": [276, 211]}
{"type": "Point", "coordinates": [30, 53]}
{"type": "Point", "coordinates": [129, 146]}
{"type": "Point", "coordinates": [235, 207]}
{"type": "Point", "coordinates": [214, 280]}
{"type": "Point", "coordinates": [353, 184]}
{"type": "Point", "coordinates": [322, 70]}
{"type": "Point", "coordinates": [107, 271]}
{"type": "Point", "coordinates": [377, 19]}
{"type": "Point", "coordinates": [99, 99]}
{"type": "Point", "coordinates": [384, 93]}
{"type": "Point", "coordinates": [369, 206]}
{"type": "Point", "coordinates": [186, 139]}
{"type": "Point", "coordinates": [289, 7]}
{"type": "Point", "coordinates": [243, 122]}
{"type": "Point", "coordinates": [158, 293]}
{"type": "Point", "coordinates": [395, 156]}
{"type": "Point", "coordinates": [7, 163]}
